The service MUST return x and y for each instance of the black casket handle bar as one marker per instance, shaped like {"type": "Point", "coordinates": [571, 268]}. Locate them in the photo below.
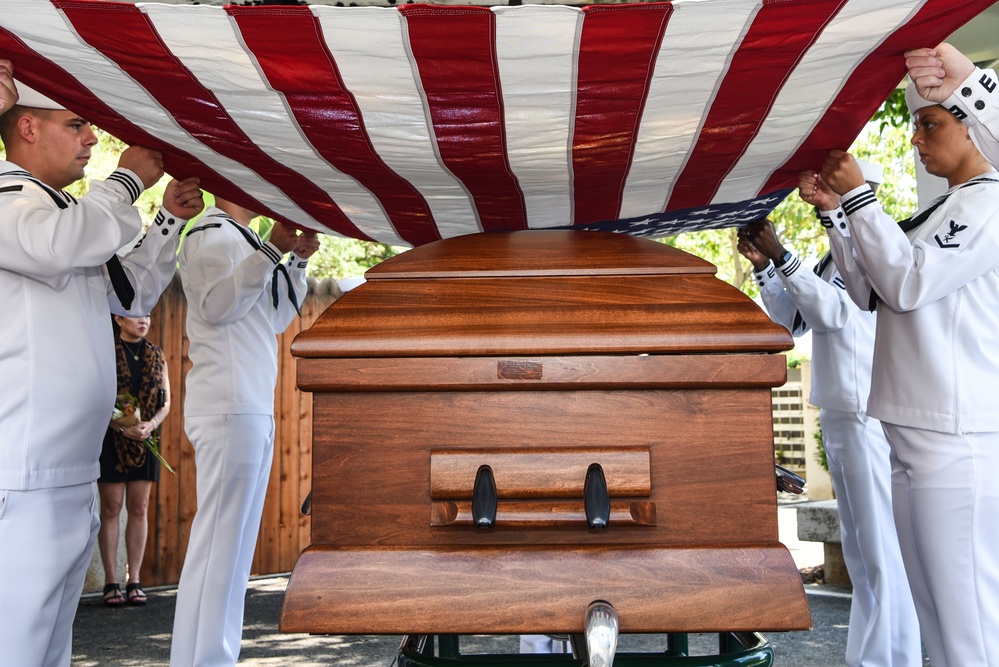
{"type": "Point", "coordinates": [596, 501]}
{"type": "Point", "coordinates": [484, 498]}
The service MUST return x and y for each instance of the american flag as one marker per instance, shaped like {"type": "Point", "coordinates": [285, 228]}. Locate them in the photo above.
{"type": "Point", "coordinates": [406, 125]}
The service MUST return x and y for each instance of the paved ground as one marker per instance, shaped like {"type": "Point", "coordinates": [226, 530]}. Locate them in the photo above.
{"type": "Point", "coordinates": [131, 637]}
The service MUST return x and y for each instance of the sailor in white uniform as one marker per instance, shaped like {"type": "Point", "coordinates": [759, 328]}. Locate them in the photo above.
{"type": "Point", "coordinates": [883, 627]}
{"type": "Point", "coordinates": [934, 280]}
{"type": "Point", "coordinates": [60, 280]}
{"type": "Point", "coordinates": [240, 295]}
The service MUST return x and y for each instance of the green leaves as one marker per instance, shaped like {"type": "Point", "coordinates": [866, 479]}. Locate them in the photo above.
{"type": "Point", "coordinates": [894, 112]}
{"type": "Point", "coordinates": [339, 257]}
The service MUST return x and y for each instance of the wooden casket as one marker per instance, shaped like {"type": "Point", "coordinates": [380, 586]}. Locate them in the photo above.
{"type": "Point", "coordinates": [547, 365]}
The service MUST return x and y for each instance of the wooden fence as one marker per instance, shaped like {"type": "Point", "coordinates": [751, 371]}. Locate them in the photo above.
{"type": "Point", "coordinates": [284, 532]}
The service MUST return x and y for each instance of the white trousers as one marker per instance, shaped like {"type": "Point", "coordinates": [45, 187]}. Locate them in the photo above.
{"type": "Point", "coordinates": [946, 494]}
{"type": "Point", "coordinates": [233, 455]}
{"type": "Point", "coordinates": [46, 539]}
{"type": "Point", "coordinates": [884, 630]}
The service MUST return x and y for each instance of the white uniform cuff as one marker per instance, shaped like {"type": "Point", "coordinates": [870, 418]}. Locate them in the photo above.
{"type": "Point", "coordinates": [129, 180]}
{"type": "Point", "coordinates": [852, 202]}
{"type": "Point", "coordinates": [973, 96]}
{"type": "Point", "coordinates": [835, 219]}
{"type": "Point", "coordinates": [769, 272]}
{"type": "Point", "coordinates": [166, 223]}
{"type": "Point", "coordinates": [791, 266]}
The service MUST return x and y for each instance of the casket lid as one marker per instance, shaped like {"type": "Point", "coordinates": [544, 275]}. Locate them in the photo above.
{"type": "Point", "coordinates": [540, 253]}
{"type": "Point", "coordinates": [541, 293]}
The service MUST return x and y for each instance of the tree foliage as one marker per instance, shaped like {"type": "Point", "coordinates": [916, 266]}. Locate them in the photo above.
{"type": "Point", "coordinates": [893, 112]}
{"type": "Point", "coordinates": [339, 257]}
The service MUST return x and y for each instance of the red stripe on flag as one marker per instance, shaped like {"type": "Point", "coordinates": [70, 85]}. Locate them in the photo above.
{"type": "Point", "coordinates": [455, 52]}
{"type": "Point", "coordinates": [865, 90]}
{"type": "Point", "coordinates": [617, 57]}
{"type": "Point", "coordinates": [47, 77]}
{"type": "Point", "coordinates": [135, 47]}
{"type": "Point", "coordinates": [327, 112]}
{"type": "Point", "coordinates": [780, 35]}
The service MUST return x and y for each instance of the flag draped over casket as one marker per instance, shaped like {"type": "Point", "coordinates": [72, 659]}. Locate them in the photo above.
{"type": "Point", "coordinates": [405, 125]}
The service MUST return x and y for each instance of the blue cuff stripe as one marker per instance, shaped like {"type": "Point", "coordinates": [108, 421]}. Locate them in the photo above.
{"type": "Point", "coordinates": [859, 201]}
{"type": "Point", "coordinates": [271, 253]}
{"type": "Point", "coordinates": [791, 266]}
{"type": "Point", "coordinates": [130, 186]}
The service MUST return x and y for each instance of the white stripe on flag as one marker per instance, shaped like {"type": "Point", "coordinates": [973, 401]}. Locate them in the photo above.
{"type": "Point", "coordinates": [195, 38]}
{"type": "Point", "coordinates": [696, 50]}
{"type": "Point", "coordinates": [537, 49]}
{"type": "Point", "coordinates": [391, 103]}
{"type": "Point", "coordinates": [47, 31]}
{"type": "Point", "coordinates": [854, 33]}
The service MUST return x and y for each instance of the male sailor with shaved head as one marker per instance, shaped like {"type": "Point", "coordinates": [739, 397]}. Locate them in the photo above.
{"type": "Point", "coordinates": [60, 280]}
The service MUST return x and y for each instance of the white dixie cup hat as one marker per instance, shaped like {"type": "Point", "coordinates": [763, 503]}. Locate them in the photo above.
{"type": "Point", "coordinates": [29, 97]}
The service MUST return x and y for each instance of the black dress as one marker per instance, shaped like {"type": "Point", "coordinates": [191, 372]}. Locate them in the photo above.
{"type": "Point", "coordinates": [150, 470]}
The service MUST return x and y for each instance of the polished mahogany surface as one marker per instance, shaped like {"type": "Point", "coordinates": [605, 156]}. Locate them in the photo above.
{"type": "Point", "coordinates": [541, 292]}
{"type": "Point", "coordinates": [538, 355]}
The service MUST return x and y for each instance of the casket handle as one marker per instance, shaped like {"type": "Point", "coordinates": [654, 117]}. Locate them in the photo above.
{"type": "Point", "coordinates": [596, 501]}
{"type": "Point", "coordinates": [562, 488]}
{"type": "Point", "coordinates": [484, 498]}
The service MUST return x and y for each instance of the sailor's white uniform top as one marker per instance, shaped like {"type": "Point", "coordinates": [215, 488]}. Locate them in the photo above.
{"type": "Point", "coordinates": [238, 300]}
{"type": "Point", "coordinates": [936, 290]}
{"type": "Point", "coordinates": [56, 343]}
{"type": "Point", "coordinates": [842, 334]}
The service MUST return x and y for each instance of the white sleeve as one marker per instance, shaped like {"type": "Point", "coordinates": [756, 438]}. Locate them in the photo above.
{"type": "Point", "coordinates": [824, 306]}
{"type": "Point", "coordinates": [845, 258]}
{"type": "Point", "coordinates": [910, 274]}
{"type": "Point", "coordinates": [150, 265]}
{"type": "Point", "coordinates": [779, 304]}
{"type": "Point", "coordinates": [222, 288]}
{"type": "Point", "coordinates": [47, 233]}
{"type": "Point", "coordinates": [976, 103]}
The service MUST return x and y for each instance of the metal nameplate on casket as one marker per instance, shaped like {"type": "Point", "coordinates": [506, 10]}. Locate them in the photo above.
{"type": "Point", "coordinates": [509, 426]}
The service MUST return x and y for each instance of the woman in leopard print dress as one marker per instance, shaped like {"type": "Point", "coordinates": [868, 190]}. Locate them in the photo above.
{"type": "Point", "coordinates": [127, 469]}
